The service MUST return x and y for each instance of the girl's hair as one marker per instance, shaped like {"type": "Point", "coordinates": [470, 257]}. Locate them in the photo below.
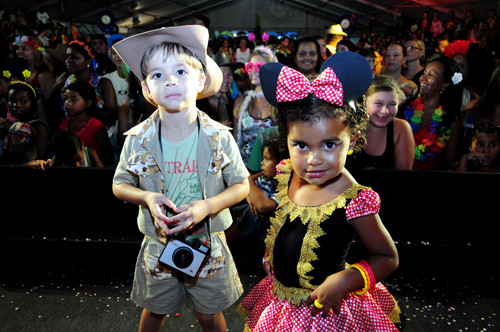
{"type": "Point", "coordinates": [23, 86]}
{"type": "Point", "coordinates": [86, 91]}
{"type": "Point", "coordinates": [451, 97]}
{"type": "Point", "coordinates": [386, 84]}
{"type": "Point", "coordinates": [312, 109]}
{"type": "Point", "coordinates": [264, 52]}
{"type": "Point", "coordinates": [274, 147]}
{"type": "Point", "coordinates": [82, 48]}
{"type": "Point", "coordinates": [167, 49]}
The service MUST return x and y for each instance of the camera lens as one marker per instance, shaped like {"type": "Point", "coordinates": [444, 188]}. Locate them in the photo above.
{"type": "Point", "coordinates": [182, 257]}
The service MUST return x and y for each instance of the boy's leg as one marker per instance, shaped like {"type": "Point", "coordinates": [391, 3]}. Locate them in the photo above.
{"type": "Point", "coordinates": [151, 322]}
{"type": "Point", "coordinates": [211, 322]}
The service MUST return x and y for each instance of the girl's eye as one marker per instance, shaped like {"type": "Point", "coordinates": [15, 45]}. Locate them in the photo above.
{"type": "Point", "coordinates": [300, 146]}
{"type": "Point", "coordinates": [330, 145]}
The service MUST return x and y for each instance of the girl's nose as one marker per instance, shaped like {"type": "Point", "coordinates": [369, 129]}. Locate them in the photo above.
{"type": "Point", "coordinates": [314, 158]}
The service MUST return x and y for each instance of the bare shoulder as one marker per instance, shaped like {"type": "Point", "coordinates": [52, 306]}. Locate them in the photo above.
{"type": "Point", "coordinates": [401, 127]}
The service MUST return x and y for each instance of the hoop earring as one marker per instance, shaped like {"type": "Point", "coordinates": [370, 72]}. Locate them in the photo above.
{"type": "Point", "coordinates": [350, 152]}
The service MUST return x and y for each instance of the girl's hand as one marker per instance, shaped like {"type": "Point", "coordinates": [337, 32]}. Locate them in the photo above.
{"type": "Point", "coordinates": [330, 294]}
{"type": "Point", "coordinates": [188, 216]}
{"type": "Point", "coordinates": [156, 203]}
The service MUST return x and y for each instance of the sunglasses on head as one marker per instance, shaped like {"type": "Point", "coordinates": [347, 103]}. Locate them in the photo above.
{"type": "Point", "coordinates": [250, 66]}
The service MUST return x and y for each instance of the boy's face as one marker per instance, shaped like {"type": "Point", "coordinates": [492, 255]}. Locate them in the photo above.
{"type": "Point", "coordinates": [268, 163]}
{"type": "Point", "coordinates": [172, 83]}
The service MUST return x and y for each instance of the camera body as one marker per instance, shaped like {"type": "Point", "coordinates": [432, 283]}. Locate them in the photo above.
{"type": "Point", "coordinates": [184, 254]}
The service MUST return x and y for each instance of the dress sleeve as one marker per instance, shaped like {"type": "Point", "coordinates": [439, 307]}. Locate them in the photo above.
{"type": "Point", "coordinates": [366, 203]}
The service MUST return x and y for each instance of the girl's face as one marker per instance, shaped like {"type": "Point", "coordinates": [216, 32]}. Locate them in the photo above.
{"type": "Point", "coordinates": [75, 62]}
{"type": "Point", "coordinates": [20, 104]}
{"type": "Point", "coordinates": [318, 151]}
{"type": "Point", "coordinates": [413, 51]}
{"type": "Point", "coordinates": [75, 104]}
{"type": "Point", "coordinates": [488, 146]}
{"type": "Point", "coordinates": [254, 75]}
{"type": "Point", "coordinates": [394, 58]}
{"type": "Point", "coordinates": [307, 58]}
{"type": "Point", "coordinates": [382, 107]}
{"type": "Point", "coordinates": [268, 164]}
{"type": "Point", "coordinates": [432, 80]}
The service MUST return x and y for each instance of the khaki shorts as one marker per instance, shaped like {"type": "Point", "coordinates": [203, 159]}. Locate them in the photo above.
{"type": "Point", "coordinates": [163, 291]}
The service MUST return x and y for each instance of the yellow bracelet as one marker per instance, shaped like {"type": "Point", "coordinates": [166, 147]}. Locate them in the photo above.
{"type": "Point", "coordinates": [365, 278]}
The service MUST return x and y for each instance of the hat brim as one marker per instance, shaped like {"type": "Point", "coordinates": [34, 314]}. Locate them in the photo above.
{"type": "Point", "coordinates": [193, 37]}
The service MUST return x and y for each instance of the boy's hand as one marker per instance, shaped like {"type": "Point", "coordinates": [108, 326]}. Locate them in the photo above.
{"type": "Point", "coordinates": [188, 216]}
{"type": "Point", "coordinates": [156, 203]}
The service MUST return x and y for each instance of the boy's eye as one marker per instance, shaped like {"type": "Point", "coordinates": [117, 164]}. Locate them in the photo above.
{"type": "Point", "coordinates": [181, 72]}
{"type": "Point", "coordinates": [156, 76]}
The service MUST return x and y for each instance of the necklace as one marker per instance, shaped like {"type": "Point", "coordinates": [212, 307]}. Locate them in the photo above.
{"type": "Point", "coordinates": [437, 135]}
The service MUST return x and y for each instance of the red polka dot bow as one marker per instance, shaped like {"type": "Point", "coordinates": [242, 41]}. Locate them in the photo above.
{"type": "Point", "coordinates": [293, 86]}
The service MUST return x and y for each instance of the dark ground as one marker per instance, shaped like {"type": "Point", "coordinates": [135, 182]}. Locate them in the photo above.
{"type": "Point", "coordinates": [86, 287]}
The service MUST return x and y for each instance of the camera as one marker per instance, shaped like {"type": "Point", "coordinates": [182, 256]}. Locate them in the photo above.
{"type": "Point", "coordinates": [184, 254]}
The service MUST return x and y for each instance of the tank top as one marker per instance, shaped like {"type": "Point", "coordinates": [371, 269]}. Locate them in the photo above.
{"type": "Point", "coordinates": [386, 160]}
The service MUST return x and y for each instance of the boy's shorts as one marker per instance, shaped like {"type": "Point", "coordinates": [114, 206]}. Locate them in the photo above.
{"type": "Point", "coordinates": [163, 291]}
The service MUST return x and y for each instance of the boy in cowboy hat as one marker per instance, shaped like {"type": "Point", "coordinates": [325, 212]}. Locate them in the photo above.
{"type": "Point", "coordinates": [185, 171]}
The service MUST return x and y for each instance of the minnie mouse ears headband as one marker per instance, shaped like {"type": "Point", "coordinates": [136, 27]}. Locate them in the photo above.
{"type": "Point", "coordinates": [344, 77]}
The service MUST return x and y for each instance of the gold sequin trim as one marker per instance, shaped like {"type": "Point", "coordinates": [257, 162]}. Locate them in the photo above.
{"type": "Point", "coordinates": [312, 216]}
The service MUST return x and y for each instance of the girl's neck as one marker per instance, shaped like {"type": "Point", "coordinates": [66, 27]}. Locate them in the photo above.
{"type": "Point", "coordinates": [414, 66]}
{"type": "Point", "coordinates": [83, 116]}
{"type": "Point", "coordinates": [431, 102]}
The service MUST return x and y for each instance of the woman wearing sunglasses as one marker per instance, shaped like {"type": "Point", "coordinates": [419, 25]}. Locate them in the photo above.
{"type": "Point", "coordinates": [252, 113]}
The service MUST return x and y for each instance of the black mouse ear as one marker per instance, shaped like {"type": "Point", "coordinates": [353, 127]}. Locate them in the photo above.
{"type": "Point", "coordinates": [353, 71]}
{"type": "Point", "coordinates": [269, 74]}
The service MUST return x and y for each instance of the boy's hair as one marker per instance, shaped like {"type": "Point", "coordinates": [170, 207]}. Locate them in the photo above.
{"type": "Point", "coordinates": [312, 109]}
{"type": "Point", "coordinates": [367, 52]}
{"type": "Point", "coordinates": [168, 49]}
{"type": "Point", "coordinates": [387, 84]}
{"type": "Point", "coordinates": [275, 149]}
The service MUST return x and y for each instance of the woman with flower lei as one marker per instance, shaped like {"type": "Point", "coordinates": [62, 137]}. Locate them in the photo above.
{"type": "Point", "coordinates": [80, 67]}
{"type": "Point", "coordinates": [432, 113]}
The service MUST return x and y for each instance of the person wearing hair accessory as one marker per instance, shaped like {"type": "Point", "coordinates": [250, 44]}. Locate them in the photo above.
{"type": "Point", "coordinates": [80, 66]}
{"type": "Point", "coordinates": [28, 128]}
{"type": "Point", "coordinates": [252, 113]}
{"type": "Point", "coordinates": [322, 209]}
{"type": "Point", "coordinates": [41, 73]}
{"type": "Point", "coordinates": [432, 114]}
{"type": "Point", "coordinates": [184, 171]}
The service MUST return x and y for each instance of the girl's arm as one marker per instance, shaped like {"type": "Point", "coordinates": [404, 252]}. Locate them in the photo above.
{"type": "Point", "coordinates": [236, 112]}
{"type": "Point", "coordinates": [404, 145]}
{"type": "Point", "coordinates": [259, 199]}
{"type": "Point", "coordinates": [383, 260]}
{"type": "Point", "coordinates": [106, 153]}
{"type": "Point", "coordinates": [40, 138]}
{"type": "Point", "coordinates": [108, 94]}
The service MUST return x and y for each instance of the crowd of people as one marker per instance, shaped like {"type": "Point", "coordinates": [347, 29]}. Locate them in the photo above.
{"type": "Point", "coordinates": [422, 98]}
{"type": "Point", "coordinates": [435, 64]}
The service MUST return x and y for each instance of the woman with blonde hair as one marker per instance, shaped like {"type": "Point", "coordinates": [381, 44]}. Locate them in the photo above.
{"type": "Point", "coordinates": [252, 113]}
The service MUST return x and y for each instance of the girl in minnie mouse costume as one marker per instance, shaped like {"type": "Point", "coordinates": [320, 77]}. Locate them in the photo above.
{"type": "Point", "coordinates": [309, 286]}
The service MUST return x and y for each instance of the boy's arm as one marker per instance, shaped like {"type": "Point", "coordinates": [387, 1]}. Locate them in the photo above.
{"type": "Point", "coordinates": [259, 199]}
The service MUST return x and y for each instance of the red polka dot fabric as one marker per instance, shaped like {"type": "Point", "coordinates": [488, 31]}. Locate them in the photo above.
{"type": "Point", "coordinates": [292, 86]}
{"type": "Point", "coordinates": [365, 313]}
{"type": "Point", "coordinates": [367, 202]}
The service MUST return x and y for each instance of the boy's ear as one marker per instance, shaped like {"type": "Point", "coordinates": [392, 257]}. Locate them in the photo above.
{"type": "Point", "coordinates": [201, 82]}
{"type": "Point", "coordinates": [145, 89]}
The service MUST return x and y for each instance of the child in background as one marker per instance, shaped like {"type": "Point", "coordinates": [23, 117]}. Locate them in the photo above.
{"type": "Point", "coordinates": [484, 148]}
{"type": "Point", "coordinates": [80, 100]}
{"type": "Point", "coordinates": [262, 197]}
{"type": "Point", "coordinates": [28, 128]}
{"type": "Point", "coordinates": [68, 150]}
{"type": "Point", "coordinates": [322, 208]}
{"type": "Point", "coordinates": [181, 161]}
